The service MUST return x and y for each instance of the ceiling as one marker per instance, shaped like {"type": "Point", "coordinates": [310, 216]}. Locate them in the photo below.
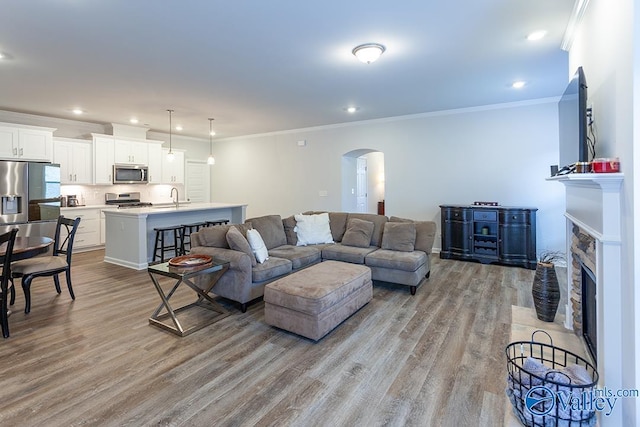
{"type": "Point", "coordinates": [260, 66]}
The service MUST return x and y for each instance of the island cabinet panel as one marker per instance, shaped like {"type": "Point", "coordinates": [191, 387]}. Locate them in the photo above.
{"type": "Point", "coordinates": [505, 235]}
{"type": "Point", "coordinates": [130, 235]}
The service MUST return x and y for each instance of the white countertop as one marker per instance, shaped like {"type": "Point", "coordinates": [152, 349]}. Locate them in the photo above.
{"type": "Point", "coordinates": [164, 209]}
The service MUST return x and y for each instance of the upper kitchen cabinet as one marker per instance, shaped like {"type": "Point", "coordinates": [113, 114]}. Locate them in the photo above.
{"type": "Point", "coordinates": [75, 159]}
{"type": "Point", "coordinates": [155, 163]}
{"type": "Point", "coordinates": [103, 159]}
{"type": "Point", "coordinates": [22, 142]}
{"type": "Point", "coordinates": [129, 151]}
{"type": "Point", "coordinates": [173, 172]}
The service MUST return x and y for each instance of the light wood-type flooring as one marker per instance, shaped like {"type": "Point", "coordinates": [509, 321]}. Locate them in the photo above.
{"type": "Point", "coordinates": [433, 359]}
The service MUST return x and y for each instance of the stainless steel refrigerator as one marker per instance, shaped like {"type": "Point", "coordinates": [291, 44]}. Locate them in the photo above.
{"type": "Point", "coordinates": [29, 197]}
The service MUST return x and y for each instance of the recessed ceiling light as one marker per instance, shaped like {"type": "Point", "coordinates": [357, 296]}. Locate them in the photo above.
{"type": "Point", "coordinates": [351, 109]}
{"type": "Point", "coordinates": [133, 120]}
{"type": "Point", "coordinates": [536, 35]}
{"type": "Point", "coordinates": [212, 133]}
{"type": "Point", "coordinates": [77, 111]}
{"type": "Point", "coordinates": [178, 127]}
{"type": "Point", "coordinates": [518, 85]}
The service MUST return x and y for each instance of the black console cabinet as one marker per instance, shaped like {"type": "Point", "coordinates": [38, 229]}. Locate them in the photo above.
{"type": "Point", "coordinates": [505, 235]}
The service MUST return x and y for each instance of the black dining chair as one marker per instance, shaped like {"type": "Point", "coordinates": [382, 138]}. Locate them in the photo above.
{"type": "Point", "coordinates": [5, 281]}
{"type": "Point", "coordinates": [59, 262]}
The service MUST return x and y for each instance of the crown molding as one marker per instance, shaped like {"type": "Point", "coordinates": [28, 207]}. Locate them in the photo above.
{"type": "Point", "coordinates": [490, 107]}
{"type": "Point", "coordinates": [579, 8]}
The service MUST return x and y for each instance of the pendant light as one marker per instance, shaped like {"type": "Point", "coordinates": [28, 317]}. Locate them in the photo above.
{"type": "Point", "coordinates": [211, 160]}
{"type": "Point", "coordinates": [170, 155]}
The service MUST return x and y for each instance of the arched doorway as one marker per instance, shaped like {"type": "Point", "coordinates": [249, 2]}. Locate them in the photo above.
{"type": "Point", "coordinates": [362, 180]}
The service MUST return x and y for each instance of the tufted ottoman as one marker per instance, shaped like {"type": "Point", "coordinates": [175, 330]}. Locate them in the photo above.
{"type": "Point", "coordinates": [313, 301]}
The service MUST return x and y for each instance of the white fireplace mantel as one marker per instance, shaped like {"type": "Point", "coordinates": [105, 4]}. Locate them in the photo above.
{"type": "Point", "coordinates": [593, 203]}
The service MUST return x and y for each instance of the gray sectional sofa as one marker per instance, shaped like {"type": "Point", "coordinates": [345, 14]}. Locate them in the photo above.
{"type": "Point", "coordinates": [397, 250]}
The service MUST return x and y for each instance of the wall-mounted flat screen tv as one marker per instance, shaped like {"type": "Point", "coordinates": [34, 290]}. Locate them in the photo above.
{"type": "Point", "coordinates": [572, 120]}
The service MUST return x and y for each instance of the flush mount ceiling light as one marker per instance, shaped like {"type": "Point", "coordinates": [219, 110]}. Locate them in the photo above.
{"type": "Point", "coordinates": [368, 52]}
{"type": "Point", "coordinates": [351, 110]}
{"type": "Point", "coordinates": [170, 155]}
{"type": "Point", "coordinates": [211, 160]}
{"type": "Point", "coordinates": [77, 111]}
{"type": "Point", "coordinates": [518, 85]}
{"type": "Point", "coordinates": [133, 120]}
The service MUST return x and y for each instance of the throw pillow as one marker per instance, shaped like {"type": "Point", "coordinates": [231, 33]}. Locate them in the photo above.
{"type": "Point", "coordinates": [425, 233]}
{"type": "Point", "coordinates": [239, 243]}
{"type": "Point", "coordinates": [313, 229]}
{"type": "Point", "coordinates": [289, 224]}
{"type": "Point", "coordinates": [358, 233]}
{"type": "Point", "coordinates": [257, 246]}
{"type": "Point", "coordinates": [399, 236]}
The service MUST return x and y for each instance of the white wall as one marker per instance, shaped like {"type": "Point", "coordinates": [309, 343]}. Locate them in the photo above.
{"type": "Point", "coordinates": [498, 153]}
{"type": "Point", "coordinates": [604, 46]}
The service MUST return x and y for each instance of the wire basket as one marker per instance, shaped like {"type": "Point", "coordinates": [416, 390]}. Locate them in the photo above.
{"type": "Point", "coordinates": [544, 383]}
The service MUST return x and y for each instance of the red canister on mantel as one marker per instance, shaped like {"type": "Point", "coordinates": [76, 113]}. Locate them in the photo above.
{"type": "Point", "coordinates": [606, 165]}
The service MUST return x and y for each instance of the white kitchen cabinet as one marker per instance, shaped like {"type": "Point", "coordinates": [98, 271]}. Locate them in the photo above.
{"type": "Point", "coordinates": [88, 233]}
{"type": "Point", "coordinates": [21, 142]}
{"type": "Point", "coordinates": [173, 172]}
{"type": "Point", "coordinates": [129, 151]}
{"type": "Point", "coordinates": [75, 159]}
{"type": "Point", "coordinates": [155, 163]}
{"type": "Point", "coordinates": [103, 159]}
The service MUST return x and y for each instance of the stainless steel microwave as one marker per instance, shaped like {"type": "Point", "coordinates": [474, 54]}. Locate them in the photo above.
{"type": "Point", "coordinates": [130, 174]}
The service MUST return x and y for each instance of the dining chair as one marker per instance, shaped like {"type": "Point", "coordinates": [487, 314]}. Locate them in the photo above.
{"type": "Point", "coordinates": [53, 265]}
{"type": "Point", "coordinates": [9, 238]}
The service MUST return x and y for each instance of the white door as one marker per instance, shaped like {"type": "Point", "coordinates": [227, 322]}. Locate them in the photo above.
{"type": "Point", "coordinates": [361, 185]}
{"type": "Point", "coordinates": [198, 182]}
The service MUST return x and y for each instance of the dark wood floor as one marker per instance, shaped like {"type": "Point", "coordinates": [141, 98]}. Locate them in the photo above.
{"type": "Point", "coordinates": [436, 358]}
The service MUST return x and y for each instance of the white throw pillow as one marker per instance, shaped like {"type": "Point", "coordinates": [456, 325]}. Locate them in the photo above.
{"type": "Point", "coordinates": [257, 245]}
{"type": "Point", "coordinates": [313, 229]}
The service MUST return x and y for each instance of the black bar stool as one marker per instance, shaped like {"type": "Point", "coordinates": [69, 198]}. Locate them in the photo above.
{"type": "Point", "coordinates": [217, 222]}
{"type": "Point", "coordinates": [187, 229]}
{"type": "Point", "coordinates": [162, 245]}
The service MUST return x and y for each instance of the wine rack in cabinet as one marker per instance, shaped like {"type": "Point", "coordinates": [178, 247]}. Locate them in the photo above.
{"type": "Point", "coordinates": [505, 235]}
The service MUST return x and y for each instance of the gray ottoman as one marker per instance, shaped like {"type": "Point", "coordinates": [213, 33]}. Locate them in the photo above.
{"type": "Point", "coordinates": [313, 301]}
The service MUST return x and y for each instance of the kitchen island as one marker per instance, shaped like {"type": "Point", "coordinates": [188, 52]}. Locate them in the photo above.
{"type": "Point", "coordinates": [129, 232]}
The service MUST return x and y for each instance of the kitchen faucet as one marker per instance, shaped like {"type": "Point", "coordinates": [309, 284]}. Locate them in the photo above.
{"type": "Point", "coordinates": [177, 203]}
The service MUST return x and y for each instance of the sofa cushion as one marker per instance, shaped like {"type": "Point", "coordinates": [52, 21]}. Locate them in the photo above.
{"type": "Point", "coordinates": [313, 229]}
{"type": "Point", "coordinates": [300, 256]}
{"type": "Point", "coordinates": [257, 246]}
{"type": "Point", "coordinates": [238, 242]}
{"type": "Point", "coordinates": [425, 233]}
{"type": "Point", "coordinates": [271, 229]}
{"type": "Point", "coordinates": [406, 261]}
{"type": "Point", "coordinates": [358, 233]}
{"type": "Point", "coordinates": [399, 236]}
{"type": "Point", "coordinates": [289, 224]}
{"type": "Point", "coordinates": [378, 225]}
{"type": "Point", "coordinates": [351, 254]}
{"type": "Point", "coordinates": [270, 269]}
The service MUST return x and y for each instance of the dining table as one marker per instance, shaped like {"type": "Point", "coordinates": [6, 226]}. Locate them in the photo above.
{"type": "Point", "coordinates": [27, 247]}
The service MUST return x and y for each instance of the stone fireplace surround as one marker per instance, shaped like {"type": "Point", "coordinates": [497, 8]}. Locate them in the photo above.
{"type": "Point", "coordinates": [594, 221]}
